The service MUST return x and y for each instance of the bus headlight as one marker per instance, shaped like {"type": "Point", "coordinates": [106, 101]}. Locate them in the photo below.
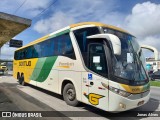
{"type": "Point", "coordinates": [118, 91]}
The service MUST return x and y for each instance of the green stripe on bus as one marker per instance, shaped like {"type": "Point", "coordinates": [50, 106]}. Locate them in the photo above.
{"type": "Point", "coordinates": [61, 33]}
{"type": "Point", "coordinates": [43, 68]}
{"type": "Point", "coordinates": [37, 68]}
{"type": "Point", "coordinates": [46, 69]}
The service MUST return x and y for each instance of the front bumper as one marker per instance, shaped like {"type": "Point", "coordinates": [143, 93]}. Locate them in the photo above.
{"type": "Point", "coordinates": [123, 103]}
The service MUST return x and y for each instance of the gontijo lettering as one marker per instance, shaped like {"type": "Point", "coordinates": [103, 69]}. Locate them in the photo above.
{"type": "Point", "coordinates": [25, 63]}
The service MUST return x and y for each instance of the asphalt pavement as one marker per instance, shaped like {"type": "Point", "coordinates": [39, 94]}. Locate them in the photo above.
{"type": "Point", "coordinates": [155, 93]}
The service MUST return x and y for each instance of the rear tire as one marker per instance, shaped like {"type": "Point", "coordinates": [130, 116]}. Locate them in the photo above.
{"type": "Point", "coordinates": [23, 83]}
{"type": "Point", "coordinates": [21, 80]}
{"type": "Point", "coordinates": [69, 95]}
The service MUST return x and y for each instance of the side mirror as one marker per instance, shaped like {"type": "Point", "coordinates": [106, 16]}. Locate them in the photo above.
{"type": "Point", "coordinates": [116, 43]}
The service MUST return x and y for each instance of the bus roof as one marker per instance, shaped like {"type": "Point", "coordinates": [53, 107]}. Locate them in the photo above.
{"type": "Point", "coordinates": [62, 31]}
{"type": "Point", "coordinates": [99, 24]}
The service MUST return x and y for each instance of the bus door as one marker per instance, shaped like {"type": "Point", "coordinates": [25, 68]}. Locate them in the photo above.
{"type": "Point", "coordinates": [97, 77]}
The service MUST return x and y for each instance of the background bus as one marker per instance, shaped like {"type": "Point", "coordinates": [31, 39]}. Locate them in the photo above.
{"type": "Point", "coordinates": [94, 63]}
{"type": "Point", "coordinates": [3, 68]}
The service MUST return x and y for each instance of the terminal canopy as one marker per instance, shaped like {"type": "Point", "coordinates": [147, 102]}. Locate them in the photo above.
{"type": "Point", "coordinates": [10, 26]}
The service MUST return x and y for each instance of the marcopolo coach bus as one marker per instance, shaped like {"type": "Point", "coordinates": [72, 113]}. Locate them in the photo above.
{"type": "Point", "coordinates": [94, 63]}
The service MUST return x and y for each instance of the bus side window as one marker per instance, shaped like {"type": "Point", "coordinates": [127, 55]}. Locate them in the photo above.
{"type": "Point", "coordinates": [29, 52]}
{"type": "Point", "coordinates": [56, 46]}
{"type": "Point", "coordinates": [47, 48]}
{"type": "Point", "coordinates": [44, 49]}
{"type": "Point", "coordinates": [25, 53]}
{"type": "Point", "coordinates": [17, 55]}
{"type": "Point", "coordinates": [52, 47]}
{"type": "Point", "coordinates": [60, 45]}
{"type": "Point", "coordinates": [68, 47]}
{"type": "Point", "coordinates": [22, 55]}
{"type": "Point", "coordinates": [64, 46]}
{"type": "Point", "coordinates": [34, 52]}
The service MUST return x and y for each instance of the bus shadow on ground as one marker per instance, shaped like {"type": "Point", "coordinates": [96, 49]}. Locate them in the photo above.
{"type": "Point", "coordinates": [149, 107]}
{"type": "Point", "coordinates": [46, 91]}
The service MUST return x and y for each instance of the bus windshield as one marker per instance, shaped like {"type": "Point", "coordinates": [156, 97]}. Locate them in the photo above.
{"type": "Point", "coordinates": [130, 64]}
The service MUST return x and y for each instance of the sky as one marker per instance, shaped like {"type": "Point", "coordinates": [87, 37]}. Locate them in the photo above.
{"type": "Point", "coordinates": [140, 17]}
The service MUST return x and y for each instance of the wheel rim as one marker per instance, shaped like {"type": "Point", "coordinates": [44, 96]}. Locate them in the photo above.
{"type": "Point", "coordinates": [71, 94]}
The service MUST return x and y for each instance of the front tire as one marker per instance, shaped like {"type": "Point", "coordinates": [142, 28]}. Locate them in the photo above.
{"type": "Point", "coordinates": [69, 95]}
{"type": "Point", "coordinates": [23, 82]}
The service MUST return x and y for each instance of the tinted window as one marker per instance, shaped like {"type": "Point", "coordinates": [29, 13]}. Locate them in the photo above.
{"type": "Point", "coordinates": [64, 47]}
{"type": "Point", "coordinates": [46, 48]}
{"type": "Point", "coordinates": [92, 51]}
{"type": "Point", "coordinates": [81, 37]}
{"type": "Point", "coordinates": [60, 45]}
{"type": "Point", "coordinates": [37, 51]}
{"type": "Point", "coordinates": [29, 52]}
{"type": "Point", "coordinates": [67, 47]}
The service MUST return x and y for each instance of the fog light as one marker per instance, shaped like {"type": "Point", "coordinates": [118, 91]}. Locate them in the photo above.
{"type": "Point", "coordinates": [122, 105]}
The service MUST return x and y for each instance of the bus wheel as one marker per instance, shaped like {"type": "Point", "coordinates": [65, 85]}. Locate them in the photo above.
{"type": "Point", "coordinates": [22, 82]}
{"type": "Point", "coordinates": [19, 79]}
{"type": "Point", "coordinates": [69, 95]}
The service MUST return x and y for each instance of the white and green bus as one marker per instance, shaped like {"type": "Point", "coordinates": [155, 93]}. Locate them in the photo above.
{"type": "Point", "coordinates": [94, 63]}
